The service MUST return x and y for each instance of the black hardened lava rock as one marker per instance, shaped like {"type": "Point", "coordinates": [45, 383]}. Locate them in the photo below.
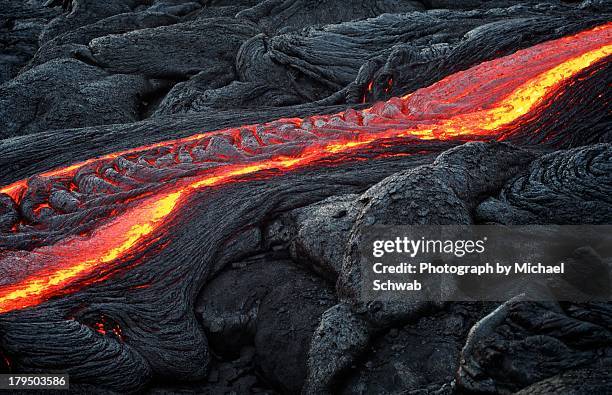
{"type": "Point", "coordinates": [254, 286]}
{"type": "Point", "coordinates": [522, 343]}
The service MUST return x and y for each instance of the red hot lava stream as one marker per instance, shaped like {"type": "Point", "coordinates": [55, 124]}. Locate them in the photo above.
{"type": "Point", "coordinates": [480, 101]}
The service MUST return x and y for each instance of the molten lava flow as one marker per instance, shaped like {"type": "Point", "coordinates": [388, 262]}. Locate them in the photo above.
{"type": "Point", "coordinates": [105, 328]}
{"type": "Point", "coordinates": [105, 245]}
{"type": "Point", "coordinates": [480, 101]}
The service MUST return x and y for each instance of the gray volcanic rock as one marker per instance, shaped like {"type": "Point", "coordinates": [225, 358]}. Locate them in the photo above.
{"type": "Point", "coordinates": [83, 12]}
{"type": "Point", "coordinates": [332, 55]}
{"type": "Point", "coordinates": [275, 15]}
{"type": "Point", "coordinates": [175, 7]}
{"type": "Point", "coordinates": [286, 322]}
{"type": "Point", "coordinates": [339, 339]}
{"type": "Point", "coordinates": [564, 187]}
{"type": "Point", "coordinates": [20, 25]}
{"type": "Point", "coordinates": [178, 50]}
{"type": "Point", "coordinates": [255, 81]}
{"type": "Point", "coordinates": [442, 193]}
{"type": "Point", "coordinates": [237, 376]}
{"type": "Point", "coordinates": [316, 235]}
{"type": "Point", "coordinates": [272, 305]}
{"type": "Point", "coordinates": [75, 42]}
{"type": "Point", "coordinates": [67, 93]}
{"type": "Point", "coordinates": [520, 344]}
{"type": "Point", "coordinates": [230, 10]}
{"type": "Point", "coordinates": [79, 13]}
{"type": "Point", "coordinates": [421, 356]}
{"type": "Point", "coordinates": [230, 319]}
{"type": "Point", "coordinates": [583, 381]}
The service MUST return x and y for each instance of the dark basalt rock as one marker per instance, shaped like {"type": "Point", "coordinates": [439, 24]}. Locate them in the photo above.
{"type": "Point", "coordinates": [230, 319]}
{"type": "Point", "coordinates": [339, 339]}
{"type": "Point", "coordinates": [175, 51]}
{"type": "Point", "coordinates": [275, 15]}
{"type": "Point", "coordinates": [521, 343]}
{"type": "Point", "coordinates": [36, 100]}
{"type": "Point", "coordinates": [79, 13]}
{"type": "Point", "coordinates": [238, 376]}
{"type": "Point", "coordinates": [273, 306]}
{"type": "Point", "coordinates": [442, 193]}
{"type": "Point", "coordinates": [74, 43]}
{"type": "Point", "coordinates": [583, 381]}
{"type": "Point", "coordinates": [20, 25]}
{"type": "Point", "coordinates": [286, 321]}
{"type": "Point", "coordinates": [315, 235]}
{"type": "Point", "coordinates": [8, 213]}
{"type": "Point", "coordinates": [564, 187]}
{"type": "Point", "coordinates": [422, 356]}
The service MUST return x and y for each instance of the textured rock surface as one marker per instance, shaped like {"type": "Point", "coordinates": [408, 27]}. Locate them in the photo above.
{"type": "Point", "coordinates": [275, 15]}
{"type": "Point", "coordinates": [179, 50]}
{"type": "Point", "coordinates": [583, 381]}
{"type": "Point", "coordinates": [35, 101]}
{"type": "Point", "coordinates": [74, 43]}
{"type": "Point", "coordinates": [418, 356]}
{"type": "Point", "coordinates": [564, 187]}
{"type": "Point", "coordinates": [315, 235]}
{"type": "Point", "coordinates": [254, 285]}
{"type": "Point", "coordinates": [442, 193]}
{"type": "Point", "coordinates": [522, 343]}
{"type": "Point", "coordinates": [274, 306]}
{"type": "Point", "coordinates": [336, 343]}
{"type": "Point", "coordinates": [286, 322]}
{"type": "Point", "coordinates": [20, 25]}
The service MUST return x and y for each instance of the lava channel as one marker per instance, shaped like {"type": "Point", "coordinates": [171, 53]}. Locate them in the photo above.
{"type": "Point", "coordinates": [481, 102]}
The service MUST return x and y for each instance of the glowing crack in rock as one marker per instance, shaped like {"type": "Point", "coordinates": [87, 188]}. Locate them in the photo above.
{"type": "Point", "coordinates": [480, 101]}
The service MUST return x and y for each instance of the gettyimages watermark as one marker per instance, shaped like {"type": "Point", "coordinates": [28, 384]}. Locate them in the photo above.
{"type": "Point", "coordinates": [487, 263]}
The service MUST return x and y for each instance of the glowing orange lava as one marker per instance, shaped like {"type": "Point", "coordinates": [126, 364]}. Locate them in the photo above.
{"type": "Point", "coordinates": [480, 101]}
